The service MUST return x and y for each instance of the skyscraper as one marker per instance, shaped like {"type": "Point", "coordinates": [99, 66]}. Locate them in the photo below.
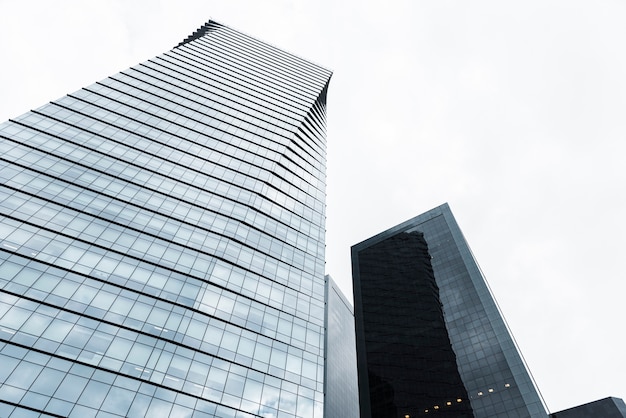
{"type": "Point", "coordinates": [341, 390]}
{"type": "Point", "coordinates": [610, 407]}
{"type": "Point", "coordinates": [162, 239]}
{"type": "Point", "coordinates": [430, 338]}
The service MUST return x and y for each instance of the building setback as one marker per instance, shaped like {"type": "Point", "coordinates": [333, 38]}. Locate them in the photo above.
{"type": "Point", "coordinates": [430, 338]}
{"type": "Point", "coordinates": [162, 239]}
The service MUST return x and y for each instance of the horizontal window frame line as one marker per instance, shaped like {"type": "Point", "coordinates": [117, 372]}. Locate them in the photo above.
{"type": "Point", "coordinates": [315, 124]}
{"type": "Point", "coordinates": [253, 44]}
{"type": "Point", "coordinates": [287, 169]}
{"type": "Point", "coordinates": [174, 270]}
{"type": "Point", "coordinates": [300, 120]}
{"type": "Point", "coordinates": [226, 198]}
{"type": "Point", "coordinates": [284, 63]}
{"type": "Point", "coordinates": [177, 61]}
{"type": "Point", "coordinates": [153, 235]}
{"type": "Point", "coordinates": [141, 260]}
{"type": "Point", "coordinates": [30, 408]}
{"type": "Point", "coordinates": [319, 108]}
{"type": "Point", "coordinates": [159, 385]}
{"type": "Point", "coordinates": [220, 119]}
{"type": "Point", "coordinates": [196, 205]}
{"type": "Point", "coordinates": [150, 234]}
{"type": "Point", "coordinates": [156, 298]}
{"type": "Point", "coordinates": [314, 120]}
{"type": "Point", "coordinates": [190, 56]}
{"type": "Point", "coordinates": [235, 68]}
{"type": "Point", "coordinates": [239, 71]}
{"type": "Point", "coordinates": [263, 73]}
{"type": "Point", "coordinates": [136, 205]}
{"type": "Point", "coordinates": [295, 126]}
{"type": "Point", "coordinates": [175, 67]}
{"type": "Point", "coordinates": [182, 87]}
{"type": "Point", "coordinates": [286, 146]}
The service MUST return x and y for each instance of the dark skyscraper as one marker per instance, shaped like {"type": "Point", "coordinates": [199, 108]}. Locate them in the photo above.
{"type": "Point", "coordinates": [162, 239]}
{"type": "Point", "coordinates": [430, 338]}
{"type": "Point", "coordinates": [604, 408]}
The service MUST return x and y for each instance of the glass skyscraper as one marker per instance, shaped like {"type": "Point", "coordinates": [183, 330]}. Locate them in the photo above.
{"type": "Point", "coordinates": [162, 239]}
{"type": "Point", "coordinates": [341, 390]}
{"type": "Point", "coordinates": [610, 407]}
{"type": "Point", "coordinates": [430, 338]}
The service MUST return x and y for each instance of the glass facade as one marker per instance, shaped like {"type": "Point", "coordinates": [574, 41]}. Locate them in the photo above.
{"type": "Point", "coordinates": [430, 338]}
{"type": "Point", "coordinates": [604, 408]}
{"type": "Point", "coordinates": [162, 239]}
{"type": "Point", "coordinates": [341, 390]}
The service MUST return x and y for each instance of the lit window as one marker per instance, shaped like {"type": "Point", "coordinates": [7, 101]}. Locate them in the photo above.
{"type": "Point", "coordinates": [490, 390]}
{"type": "Point", "coordinates": [448, 403]}
{"type": "Point", "coordinates": [436, 406]}
{"type": "Point", "coordinates": [480, 394]}
{"type": "Point", "coordinates": [506, 385]}
{"type": "Point", "coordinates": [459, 400]}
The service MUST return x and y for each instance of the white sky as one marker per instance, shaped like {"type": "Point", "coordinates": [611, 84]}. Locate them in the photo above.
{"type": "Point", "coordinates": [513, 112]}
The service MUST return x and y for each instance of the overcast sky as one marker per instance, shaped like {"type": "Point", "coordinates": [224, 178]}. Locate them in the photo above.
{"type": "Point", "coordinates": [513, 112]}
